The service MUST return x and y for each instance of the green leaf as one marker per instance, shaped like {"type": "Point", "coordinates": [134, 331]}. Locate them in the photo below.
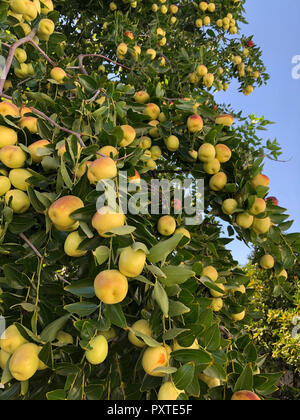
{"type": "Point", "coordinates": [57, 395]}
{"type": "Point", "coordinates": [173, 333]}
{"type": "Point", "coordinates": [102, 254]}
{"type": "Point", "coordinates": [27, 334]}
{"type": "Point", "coordinates": [116, 315]}
{"type": "Point", "coordinates": [245, 380]}
{"type": "Point", "coordinates": [122, 230]}
{"type": "Point", "coordinates": [148, 340]}
{"type": "Point", "coordinates": [144, 280]}
{"type": "Point", "coordinates": [161, 298]}
{"type": "Point", "coordinates": [82, 288]}
{"type": "Point", "coordinates": [50, 332]}
{"type": "Point", "coordinates": [156, 271]}
{"type": "Point", "coordinates": [200, 357]}
{"type": "Point", "coordinates": [184, 376]}
{"type": "Point", "coordinates": [211, 338]}
{"type": "Point", "coordinates": [176, 275]}
{"type": "Point", "coordinates": [168, 370]}
{"type": "Point", "coordinates": [177, 308]}
{"type": "Point", "coordinates": [160, 251]}
{"type": "Point", "coordinates": [6, 375]}
{"type": "Point", "coordinates": [250, 353]}
{"type": "Point", "coordinates": [46, 355]}
{"type": "Point", "coordinates": [210, 284]}
{"type": "Point", "coordinates": [139, 246]}
{"type": "Point", "coordinates": [81, 308]}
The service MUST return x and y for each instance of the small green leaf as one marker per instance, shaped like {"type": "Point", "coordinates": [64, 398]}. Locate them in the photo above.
{"type": "Point", "coordinates": [101, 254]}
{"type": "Point", "coordinates": [161, 298]}
{"type": "Point", "coordinates": [50, 332]}
{"type": "Point", "coordinates": [81, 308]}
{"type": "Point", "coordinates": [184, 376]}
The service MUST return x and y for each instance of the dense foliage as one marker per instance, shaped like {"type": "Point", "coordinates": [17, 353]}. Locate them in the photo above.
{"type": "Point", "coordinates": [139, 77]}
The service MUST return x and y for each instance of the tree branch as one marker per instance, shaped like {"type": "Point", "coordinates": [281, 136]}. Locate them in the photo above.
{"type": "Point", "coordinates": [11, 55]}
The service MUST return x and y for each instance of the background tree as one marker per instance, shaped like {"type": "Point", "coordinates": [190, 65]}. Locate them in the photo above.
{"type": "Point", "coordinates": [103, 306]}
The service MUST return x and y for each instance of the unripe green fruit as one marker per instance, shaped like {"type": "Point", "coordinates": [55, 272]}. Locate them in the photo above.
{"type": "Point", "coordinates": [64, 338]}
{"type": "Point", "coordinates": [207, 153]}
{"type": "Point", "coordinates": [267, 262]}
{"type": "Point", "coordinates": [244, 220]}
{"type": "Point", "coordinates": [99, 351]}
{"type": "Point", "coordinates": [131, 262]}
{"type": "Point", "coordinates": [72, 244]}
{"type": "Point", "coordinates": [172, 143]}
{"type": "Point", "coordinates": [229, 206]}
{"type": "Point", "coordinates": [261, 226]}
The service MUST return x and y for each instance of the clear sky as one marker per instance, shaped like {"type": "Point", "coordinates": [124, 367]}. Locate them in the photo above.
{"type": "Point", "coordinates": [275, 26]}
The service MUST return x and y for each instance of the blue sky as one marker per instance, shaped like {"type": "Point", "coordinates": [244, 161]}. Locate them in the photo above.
{"type": "Point", "coordinates": [275, 26]}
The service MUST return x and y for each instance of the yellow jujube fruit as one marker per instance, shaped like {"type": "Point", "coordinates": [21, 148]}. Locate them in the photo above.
{"type": "Point", "coordinates": [18, 201]}
{"type": "Point", "coordinates": [267, 262]}
{"type": "Point", "coordinates": [111, 287]}
{"type": "Point", "coordinates": [24, 363]}
{"type": "Point", "coordinates": [106, 219]}
{"type": "Point", "coordinates": [142, 326]}
{"type": "Point", "coordinates": [64, 338]}
{"type": "Point", "coordinates": [166, 225]}
{"type": "Point", "coordinates": [168, 392]}
{"type": "Point", "coordinates": [12, 156]}
{"type": "Point", "coordinates": [60, 211]}
{"type": "Point", "coordinates": [211, 273]}
{"type": "Point", "coordinates": [72, 244]}
{"type": "Point", "coordinates": [3, 359]}
{"type": "Point", "coordinates": [11, 340]}
{"type": "Point", "coordinates": [8, 136]}
{"type": "Point", "coordinates": [18, 178]}
{"type": "Point", "coordinates": [5, 185]}
{"type": "Point", "coordinates": [154, 358]}
{"type": "Point", "coordinates": [131, 262]}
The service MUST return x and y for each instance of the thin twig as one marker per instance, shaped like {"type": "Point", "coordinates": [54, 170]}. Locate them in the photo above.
{"type": "Point", "coordinates": [42, 52]}
{"type": "Point", "coordinates": [38, 254]}
{"type": "Point", "coordinates": [94, 97]}
{"type": "Point", "coordinates": [81, 57]}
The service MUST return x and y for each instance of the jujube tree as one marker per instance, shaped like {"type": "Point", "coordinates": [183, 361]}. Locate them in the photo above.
{"type": "Point", "coordinates": [100, 304]}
